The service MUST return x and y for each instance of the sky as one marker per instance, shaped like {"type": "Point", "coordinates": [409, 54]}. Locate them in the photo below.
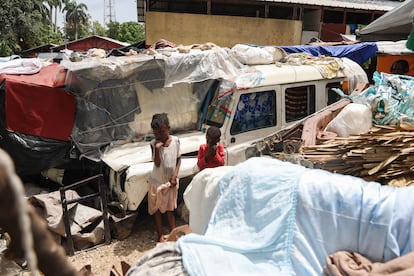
{"type": "Point", "coordinates": [125, 10]}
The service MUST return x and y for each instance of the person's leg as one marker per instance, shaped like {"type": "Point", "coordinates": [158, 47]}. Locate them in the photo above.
{"type": "Point", "coordinates": [171, 219]}
{"type": "Point", "coordinates": [158, 225]}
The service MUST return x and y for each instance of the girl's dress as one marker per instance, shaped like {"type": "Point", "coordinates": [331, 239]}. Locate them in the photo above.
{"type": "Point", "coordinates": [161, 195]}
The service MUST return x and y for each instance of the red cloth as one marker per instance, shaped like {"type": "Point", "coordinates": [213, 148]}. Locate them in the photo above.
{"type": "Point", "coordinates": [39, 110]}
{"type": "Point", "coordinates": [52, 75]}
{"type": "Point", "coordinates": [217, 161]}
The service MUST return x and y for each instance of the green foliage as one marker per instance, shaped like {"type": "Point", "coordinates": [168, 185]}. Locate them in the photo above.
{"type": "Point", "coordinates": [51, 37]}
{"type": "Point", "coordinates": [26, 24]}
{"type": "Point", "coordinates": [113, 28]}
{"type": "Point", "coordinates": [97, 29]}
{"type": "Point", "coordinates": [22, 25]}
{"type": "Point", "coordinates": [130, 32]}
{"type": "Point", "coordinates": [76, 18]}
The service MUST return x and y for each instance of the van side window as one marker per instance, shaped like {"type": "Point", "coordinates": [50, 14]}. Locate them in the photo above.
{"type": "Point", "coordinates": [332, 95]}
{"type": "Point", "coordinates": [254, 111]}
{"type": "Point", "coordinates": [299, 102]}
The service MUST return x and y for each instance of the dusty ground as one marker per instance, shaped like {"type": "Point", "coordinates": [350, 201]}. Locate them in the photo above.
{"type": "Point", "coordinates": [142, 238]}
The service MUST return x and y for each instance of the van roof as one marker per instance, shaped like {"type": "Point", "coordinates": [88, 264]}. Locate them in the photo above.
{"type": "Point", "coordinates": [282, 73]}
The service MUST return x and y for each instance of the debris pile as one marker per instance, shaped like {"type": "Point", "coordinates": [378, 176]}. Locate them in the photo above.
{"type": "Point", "coordinates": [384, 154]}
{"type": "Point", "coordinates": [381, 153]}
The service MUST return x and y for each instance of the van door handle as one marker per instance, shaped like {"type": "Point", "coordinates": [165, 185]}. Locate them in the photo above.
{"type": "Point", "coordinates": [233, 140]}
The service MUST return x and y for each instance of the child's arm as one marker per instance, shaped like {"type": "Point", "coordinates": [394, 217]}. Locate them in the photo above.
{"type": "Point", "coordinates": [220, 155]}
{"type": "Point", "coordinates": [156, 150]}
{"type": "Point", "coordinates": [173, 179]}
{"type": "Point", "coordinates": [201, 162]}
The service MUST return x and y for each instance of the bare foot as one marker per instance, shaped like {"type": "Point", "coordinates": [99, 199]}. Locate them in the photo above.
{"type": "Point", "coordinates": [162, 238]}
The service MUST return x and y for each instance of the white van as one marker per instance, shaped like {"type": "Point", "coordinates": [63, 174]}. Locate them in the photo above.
{"type": "Point", "coordinates": [280, 96]}
{"type": "Point", "coordinates": [263, 99]}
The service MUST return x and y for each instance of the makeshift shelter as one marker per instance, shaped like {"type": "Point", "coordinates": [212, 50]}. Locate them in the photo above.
{"type": "Point", "coordinates": [104, 102]}
{"type": "Point", "coordinates": [59, 114]}
{"type": "Point", "coordinates": [394, 25]}
{"type": "Point", "coordinates": [37, 118]}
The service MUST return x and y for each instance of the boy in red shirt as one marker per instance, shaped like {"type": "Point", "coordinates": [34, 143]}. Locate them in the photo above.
{"type": "Point", "coordinates": [211, 155]}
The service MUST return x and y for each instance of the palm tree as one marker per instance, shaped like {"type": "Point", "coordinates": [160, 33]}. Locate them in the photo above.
{"type": "Point", "coordinates": [75, 15]}
{"type": "Point", "coordinates": [57, 6]}
{"type": "Point", "coordinates": [39, 5]}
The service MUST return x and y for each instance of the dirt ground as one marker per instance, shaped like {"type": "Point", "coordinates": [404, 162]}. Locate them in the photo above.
{"type": "Point", "coordinates": [143, 237]}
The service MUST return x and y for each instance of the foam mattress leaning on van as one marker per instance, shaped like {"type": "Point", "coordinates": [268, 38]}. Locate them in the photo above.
{"type": "Point", "coordinates": [277, 218]}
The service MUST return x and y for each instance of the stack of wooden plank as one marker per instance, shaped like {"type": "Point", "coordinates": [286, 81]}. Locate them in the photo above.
{"type": "Point", "coordinates": [384, 155]}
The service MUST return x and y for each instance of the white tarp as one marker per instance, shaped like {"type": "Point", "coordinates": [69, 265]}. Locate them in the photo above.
{"type": "Point", "coordinates": [393, 48]}
{"type": "Point", "coordinates": [393, 25]}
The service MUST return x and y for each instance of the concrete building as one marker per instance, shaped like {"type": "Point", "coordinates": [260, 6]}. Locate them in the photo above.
{"type": "Point", "coordinates": [262, 22]}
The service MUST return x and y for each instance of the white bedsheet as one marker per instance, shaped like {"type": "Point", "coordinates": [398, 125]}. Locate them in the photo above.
{"type": "Point", "coordinates": [277, 218]}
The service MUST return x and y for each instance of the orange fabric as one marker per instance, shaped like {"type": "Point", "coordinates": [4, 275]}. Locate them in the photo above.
{"type": "Point", "coordinates": [384, 62]}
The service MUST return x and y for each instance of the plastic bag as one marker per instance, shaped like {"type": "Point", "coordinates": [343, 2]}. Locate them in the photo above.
{"type": "Point", "coordinates": [354, 119]}
{"type": "Point", "coordinates": [252, 55]}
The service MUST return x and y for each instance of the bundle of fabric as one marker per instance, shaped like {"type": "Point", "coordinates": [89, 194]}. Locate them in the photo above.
{"type": "Point", "coordinates": [354, 264]}
{"type": "Point", "coordinates": [277, 218]}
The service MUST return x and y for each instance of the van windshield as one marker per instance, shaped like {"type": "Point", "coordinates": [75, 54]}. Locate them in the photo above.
{"type": "Point", "coordinates": [218, 110]}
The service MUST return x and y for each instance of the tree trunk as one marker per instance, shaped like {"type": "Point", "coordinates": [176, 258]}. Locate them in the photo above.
{"type": "Point", "coordinates": [56, 11]}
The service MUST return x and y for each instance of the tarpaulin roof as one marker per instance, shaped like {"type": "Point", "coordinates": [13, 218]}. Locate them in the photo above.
{"type": "Point", "coordinates": [39, 110]}
{"type": "Point", "coordinates": [36, 105]}
{"type": "Point", "coordinates": [52, 75]}
{"type": "Point", "coordinates": [393, 25]}
{"type": "Point", "coordinates": [359, 52]}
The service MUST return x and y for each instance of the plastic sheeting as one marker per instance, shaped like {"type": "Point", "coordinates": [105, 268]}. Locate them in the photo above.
{"type": "Point", "coordinates": [394, 25]}
{"type": "Point", "coordinates": [117, 96]}
{"type": "Point", "coordinates": [195, 66]}
{"type": "Point", "coordinates": [393, 47]}
{"type": "Point", "coordinates": [391, 99]}
{"type": "Point", "coordinates": [31, 154]}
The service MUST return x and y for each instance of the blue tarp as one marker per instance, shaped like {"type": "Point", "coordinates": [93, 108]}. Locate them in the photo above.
{"type": "Point", "coordinates": [360, 52]}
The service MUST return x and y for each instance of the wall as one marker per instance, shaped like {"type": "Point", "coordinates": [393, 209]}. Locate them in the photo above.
{"type": "Point", "coordinates": [224, 31]}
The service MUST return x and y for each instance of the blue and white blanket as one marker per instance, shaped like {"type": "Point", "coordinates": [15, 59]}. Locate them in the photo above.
{"type": "Point", "coordinates": [277, 218]}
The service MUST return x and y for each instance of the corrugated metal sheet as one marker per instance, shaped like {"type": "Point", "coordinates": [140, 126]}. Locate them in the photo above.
{"type": "Point", "coordinates": [376, 5]}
